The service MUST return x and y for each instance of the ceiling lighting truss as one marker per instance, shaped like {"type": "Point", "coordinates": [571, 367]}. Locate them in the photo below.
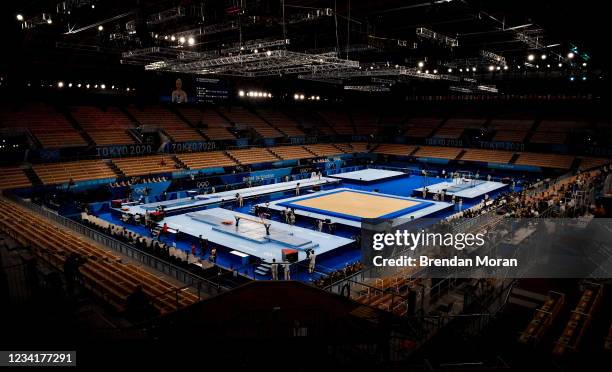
{"type": "Point", "coordinates": [437, 37]}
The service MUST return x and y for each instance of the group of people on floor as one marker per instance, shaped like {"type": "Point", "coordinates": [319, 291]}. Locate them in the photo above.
{"type": "Point", "coordinates": [137, 180]}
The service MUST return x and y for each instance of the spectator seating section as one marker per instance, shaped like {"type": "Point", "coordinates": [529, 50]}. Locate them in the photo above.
{"type": "Point", "coordinates": [291, 152]}
{"type": "Point", "coordinates": [103, 272]}
{"type": "Point", "coordinates": [309, 121]}
{"type": "Point", "coordinates": [545, 160]}
{"type": "Point", "coordinates": [421, 127]}
{"type": "Point", "coordinates": [580, 319]}
{"type": "Point", "coordinates": [489, 156]}
{"type": "Point", "coordinates": [283, 122]}
{"type": "Point", "coordinates": [13, 177]}
{"type": "Point", "coordinates": [54, 173]}
{"type": "Point", "coordinates": [510, 130]}
{"type": "Point", "coordinates": [104, 127]}
{"type": "Point", "coordinates": [209, 122]}
{"type": "Point", "coordinates": [543, 319]}
{"type": "Point", "coordinates": [200, 160]}
{"type": "Point", "coordinates": [438, 152]}
{"type": "Point", "coordinates": [448, 133]}
{"type": "Point", "coordinates": [323, 149]}
{"type": "Point", "coordinates": [561, 126]}
{"type": "Point", "coordinates": [589, 162]}
{"type": "Point", "coordinates": [253, 155]}
{"type": "Point", "coordinates": [145, 165]}
{"type": "Point", "coordinates": [366, 122]}
{"type": "Point", "coordinates": [242, 116]}
{"type": "Point", "coordinates": [353, 147]}
{"type": "Point", "coordinates": [556, 138]}
{"type": "Point", "coordinates": [339, 121]}
{"type": "Point", "coordinates": [162, 118]}
{"type": "Point", "coordinates": [464, 123]}
{"type": "Point", "coordinates": [51, 128]}
{"type": "Point", "coordinates": [395, 149]}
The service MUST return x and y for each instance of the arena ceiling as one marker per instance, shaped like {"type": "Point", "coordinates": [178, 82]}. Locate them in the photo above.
{"type": "Point", "coordinates": [350, 42]}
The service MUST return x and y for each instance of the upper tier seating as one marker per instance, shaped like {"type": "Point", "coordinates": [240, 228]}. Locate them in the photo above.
{"type": "Point", "coordinates": [84, 170]}
{"type": "Point", "coordinates": [421, 127]}
{"type": "Point", "coordinates": [395, 149]}
{"type": "Point", "coordinates": [104, 127]}
{"type": "Point", "coordinates": [145, 165]}
{"type": "Point", "coordinates": [464, 123]}
{"type": "Point", "coordinates": [50, 128]}
{"type": "Point", "coordinates": [339, 121]}
{"type": "Point", "coordinates": [353, 147]}
{"type": "Point", "coordinates": [253, 155]}
{"type": "Point", "coordinates": [438, 152]}
{"type": "Point", "coordinates": [590, 162]}
{"type": "Point", "coordinates": [242, 116]}
{"type": "Point", "coordinates": [103, 272]}
{"type": "Point", "coordinates": [291, 152]}
{"type": "Point", "coordinates": [283, 122]}
{"type": "Point", "coordinates": [200, 160]}
{"type": "Point", "coordinates": [490, 156]}
{"type": "Point", "coordinates": [309, 121]}
{"type": "Point", "coordinates": [366, 122]}
{"type": "Point", "coordinates": [13, 177]}
{"type": "Point", "coordinates": [545, 160]}
{"type": "Point", "coordinates": [510, 130]}
{"type": "Point", "coordinates": [164, 119]}
{"type": "Point", "coordinates": [561, 126]}
{"type": "Point", "coordinates": [450, 133]}
{"type": "Point", "coordinates": [549, 137]}
{"type": "Point", "coordinates": [213, 125]}
{"type": "Point", "coordinates": [324, 149]}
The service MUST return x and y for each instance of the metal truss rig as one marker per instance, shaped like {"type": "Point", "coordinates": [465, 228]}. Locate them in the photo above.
{"type": "Point", "coordinates": [249, 64]}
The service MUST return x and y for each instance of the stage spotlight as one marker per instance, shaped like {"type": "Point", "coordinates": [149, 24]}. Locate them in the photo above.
{"type": "Point", "coordinates": [127, 89]}
{"type": "Point", "coordinates": [182, 40]}
{"type": "Point", "coordinates": [318, 98]}
{"type": "Point", "coordinates": [530, 57]}
{"type": "Point", "coordinates": [543, 56]}
{"type": "Point", "coordinates": [100, 28]}
{"type": "Point", "coordinates": [506, 67]}
{"type": "Point", "coordinates": [93, 6]}
{"type": "Point", "coordinates": [498, 68]}
{"type": "Point", "coordinates": [474, 69]}
{"type": "Point", "coordinates": [435, 71]}
{"type": "Point", "coordinates": [79, 85]}
{"type": "Point", "coordinates": [255, 51]}
{"type": "Point", "coordinates": [269, 95]}
{"type": "Point", "coordinates": [547, 66]}
{"type": "Point", "coordinates": [49, 21]}
{"type": "Point", "coordinates": [269, 53]}
{"type": "Point", "coordinates": [572, 78]}
{"type": "Point", "coordinates": [421, 64]}
{"type": "Point", "coordinates": [172, 38]}
{"type": "Point", "coordinates": [296, 96]}
{"type": "Point", "coordinates": [69, 85]}
{"type": "Point", "coordinates": [584, 64]}
{"type": "Point", "coordinates": [241, 93]}
{"type": "Point", "coordinates": [20, 17]}
{"type": "Point", "coordinates": [460, 70]}
{"type": "Point", "coordinates": [103, 86]}
{"type": "Point", "coordinates": [450, 70]}
{"type": "Point", "coordinates": [570, 55]}
{"type": "Point", "coordinates": [491, 68]}
{"type": "Point", "coordinates": [60, 84]}
{"type": "Point", "coordinates": [301, 96]}
{"type": "Point", "coordinates": [96, 86]}
{"type": "Point", "coordinates": [584, 78]}
{"type": "Point", "coordinates": [560, 65]}
{"type": "Point", "coordinates": [87, 86]}
{"type": "Point", "coordinates": [166, 37]}
{"type": "Point", "coordinates": [191, 41]}
{"type": "Point", "coordinates": [427, 71]}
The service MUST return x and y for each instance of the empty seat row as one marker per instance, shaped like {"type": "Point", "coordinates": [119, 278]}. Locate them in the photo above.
{"type": "Point", "coordinates": [54, 173]}
{"type": "Point", "coordinates": [253, 155]}
{"type": "Point", "coordinates": [200, 160]}
{"type": "Point", "coordinates": [145, 165]}
{"type": "Point", "coordinates": [13, 177]}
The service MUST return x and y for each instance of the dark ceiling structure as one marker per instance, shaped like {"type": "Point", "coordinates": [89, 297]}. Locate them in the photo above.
{"type": "Point", "coordinates": [471, 46]}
